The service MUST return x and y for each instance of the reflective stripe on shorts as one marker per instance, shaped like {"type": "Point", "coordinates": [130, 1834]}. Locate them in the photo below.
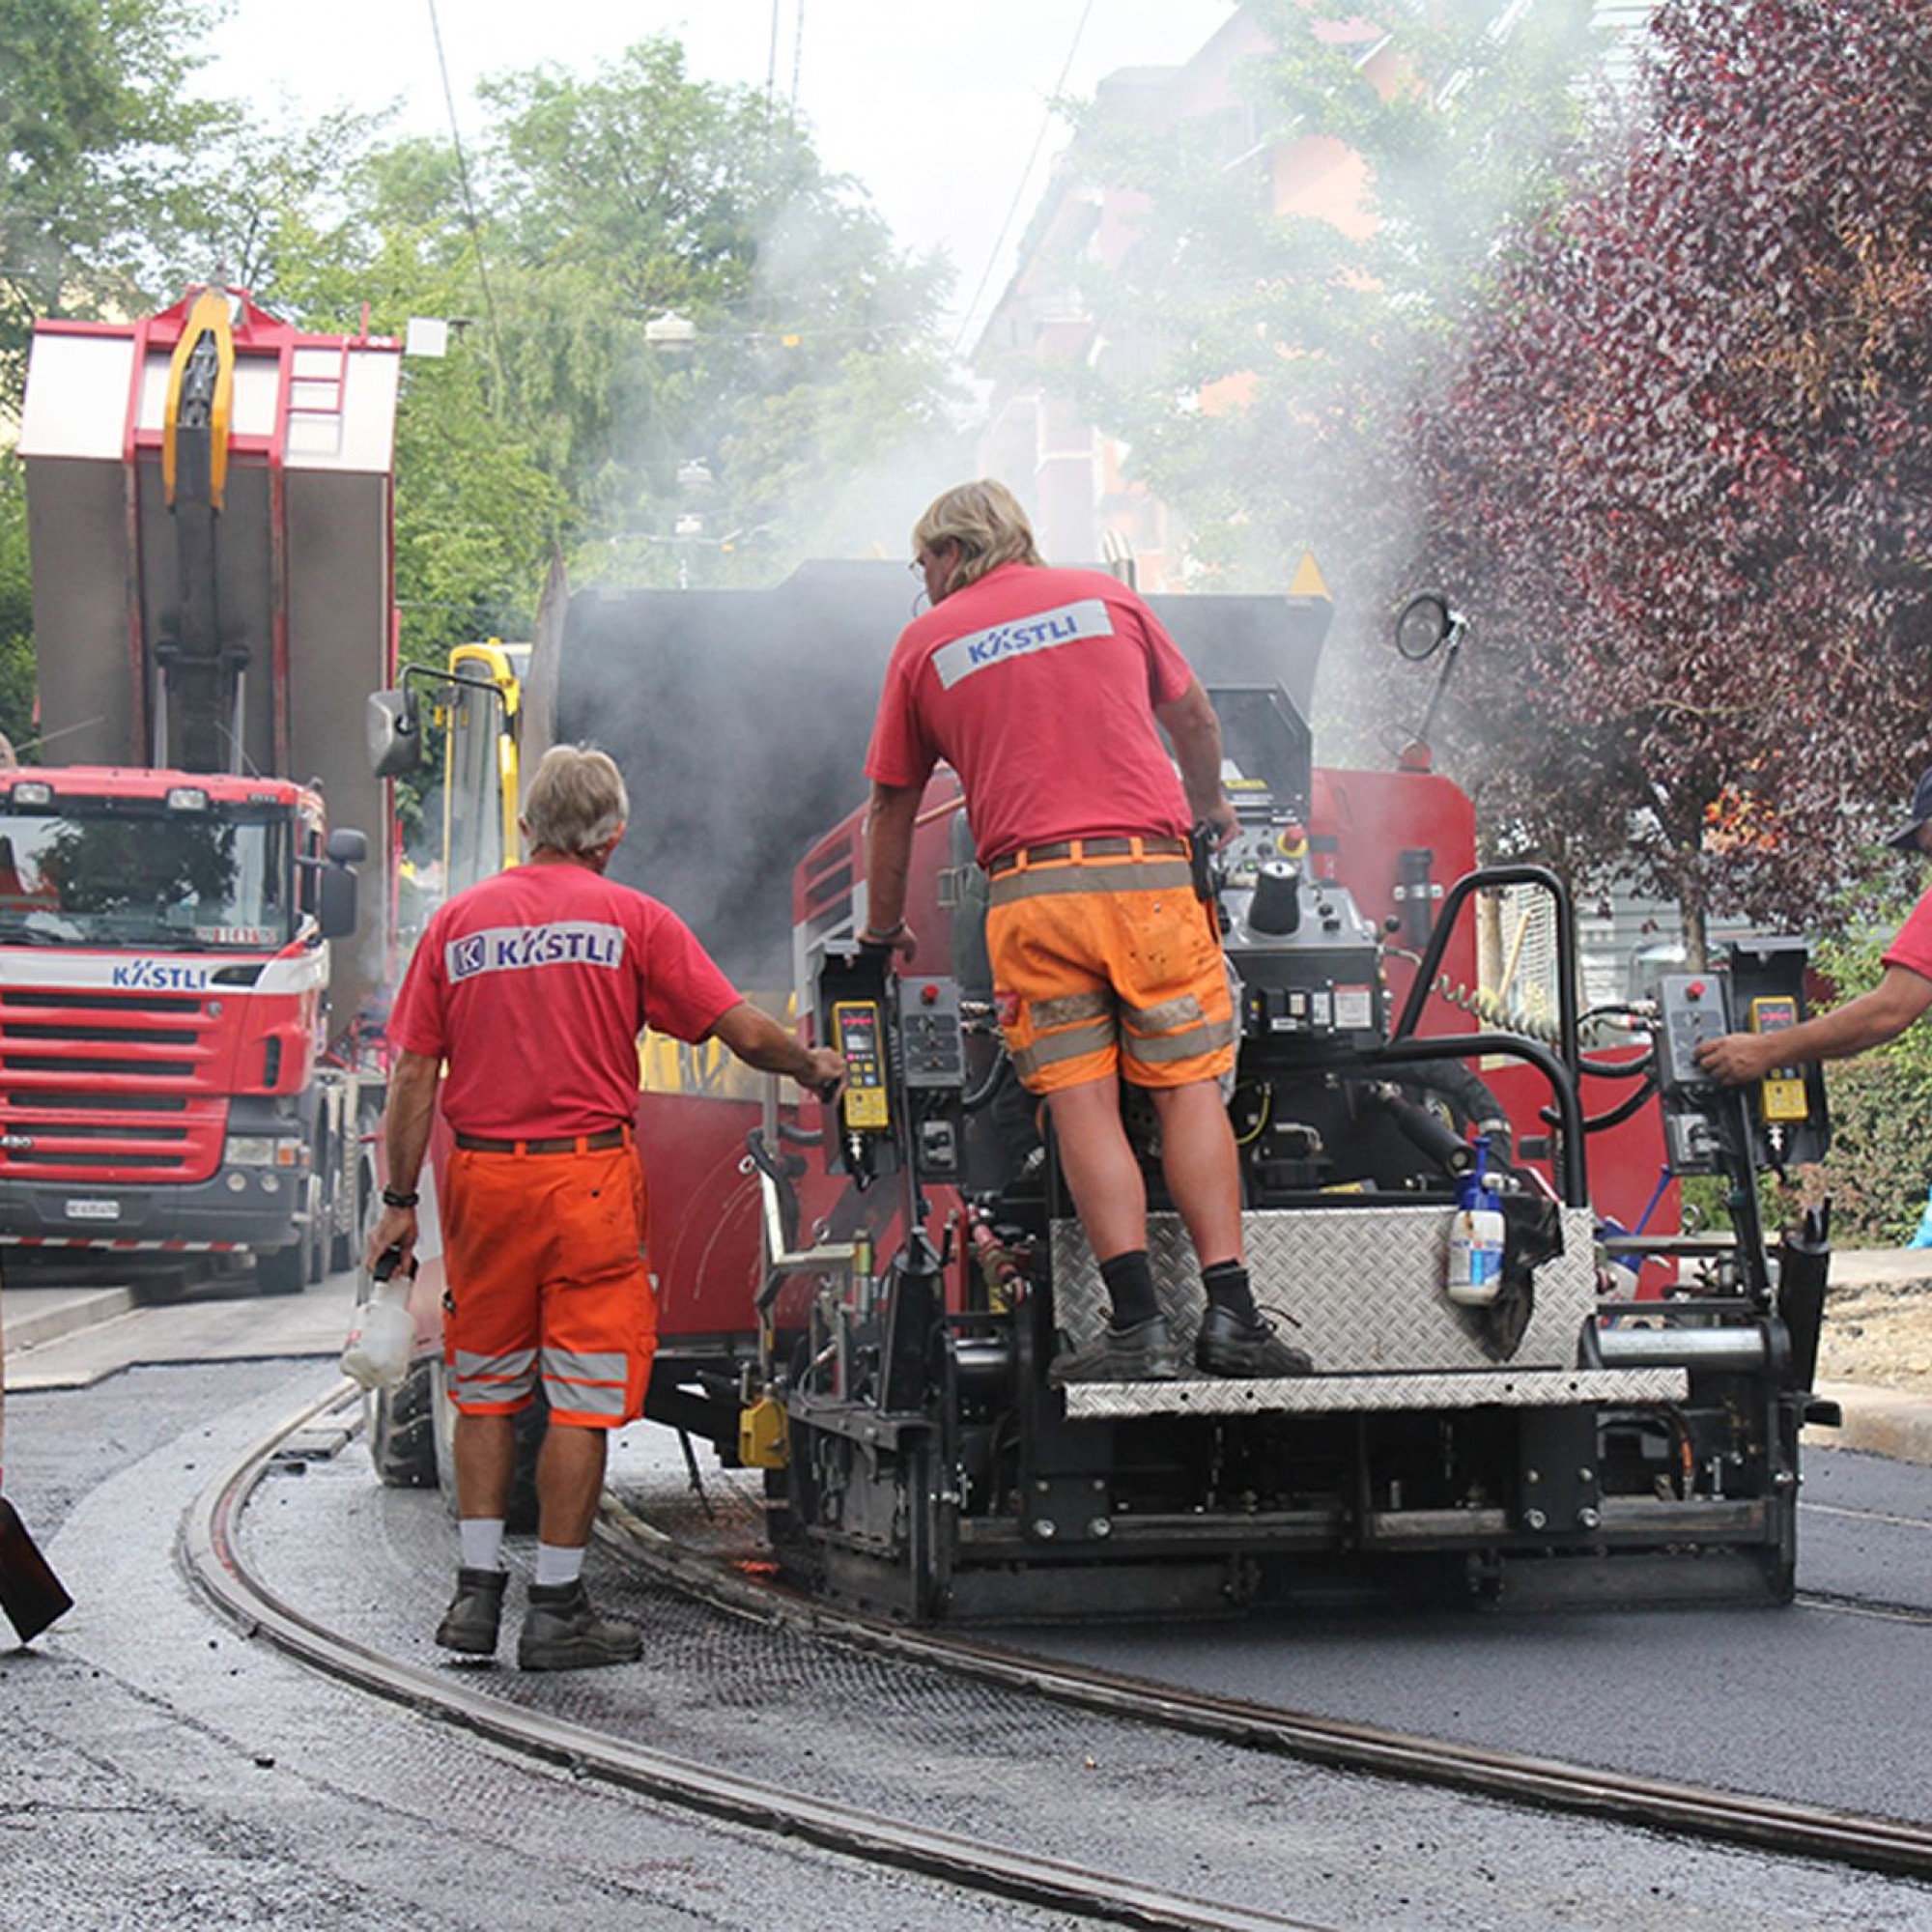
{"type": "Point", "coordinates": [1049, 1015]}
{"type": "Point", "coordinates": [586, 1384]}
{"type": "Point", "coordinates": [506, 1378]}
{"type": "Point", "coordinates": [1159, 1049]}
{"type": "Point", "coordinates": [1068, 1043]}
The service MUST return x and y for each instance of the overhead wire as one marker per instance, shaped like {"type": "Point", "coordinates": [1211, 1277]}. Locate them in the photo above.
{"type": "Point", "coordinates": [476, 227]}
{"type": "Point", "coordinates": [1026, 176]}
{"type": "Point", "coordinates": [506, 396]}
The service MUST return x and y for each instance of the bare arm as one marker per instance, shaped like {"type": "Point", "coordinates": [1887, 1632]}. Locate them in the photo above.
{"type": "Point", "coordinates": [1869, 1020]}
{"type": "Point", "coordinates": [406, 1126]}
{"type": "Point", "coordinates": [760, 1041]}
{"type": "Point", "coordinates": [889, 820]}
{"type": "Point", "coordinates": [1190, 723]}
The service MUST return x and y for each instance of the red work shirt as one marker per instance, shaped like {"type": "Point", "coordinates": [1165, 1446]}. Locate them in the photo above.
{"type": "Point", "coordinates": [1038, 688]}
{"type": "Point", "coordinates": [1912, 948]}
{"type": "Point", "coordinates": [534, 987]}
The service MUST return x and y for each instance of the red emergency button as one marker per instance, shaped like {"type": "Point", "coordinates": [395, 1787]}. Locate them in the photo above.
{"type": "Point", "coordinates": [929, 995]}
{"type": "Point", "coordinates": [1694, 991]}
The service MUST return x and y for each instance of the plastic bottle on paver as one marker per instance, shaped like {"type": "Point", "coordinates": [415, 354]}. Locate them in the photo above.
{"type": "Point", "coordinates": [1476, 1238]}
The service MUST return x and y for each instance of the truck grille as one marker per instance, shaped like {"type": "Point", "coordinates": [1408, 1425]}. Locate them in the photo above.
{"type": "Point", "coordinates": [105, 1087]}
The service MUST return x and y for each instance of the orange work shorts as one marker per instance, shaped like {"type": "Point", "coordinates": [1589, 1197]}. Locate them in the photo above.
{"type": "Point", "coordinates": [544, 1255]}
{"type": "Point", "coordinates": [1104, 966]}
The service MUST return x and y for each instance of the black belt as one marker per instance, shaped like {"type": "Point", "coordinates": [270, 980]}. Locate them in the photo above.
{"type": "Point", "coordinates": [611, 1137]}
{"type": "Point", "coordinates": [1086, 848]}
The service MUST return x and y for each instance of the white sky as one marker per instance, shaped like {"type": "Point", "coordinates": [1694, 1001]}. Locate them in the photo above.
{"type": "Point", "coordinates": [936, 109]}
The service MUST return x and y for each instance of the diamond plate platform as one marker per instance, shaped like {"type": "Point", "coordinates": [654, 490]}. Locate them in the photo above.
{"type": "Point", "coordinates": [1305, 1395]}
{"type": "Point", "coordinates": [1364, 1289]}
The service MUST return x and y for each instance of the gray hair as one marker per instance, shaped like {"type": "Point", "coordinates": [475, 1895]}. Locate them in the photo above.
{"type": "Point", "coordinates": [984, 518]}
{"type": "Point", "coordinates": [575, 801]}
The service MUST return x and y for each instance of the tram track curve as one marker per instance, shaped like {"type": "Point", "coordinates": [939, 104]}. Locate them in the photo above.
{"type": "Point", "coordinates": [209, 1553]}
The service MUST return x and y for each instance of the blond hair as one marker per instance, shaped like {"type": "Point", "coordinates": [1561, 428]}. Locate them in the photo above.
{"type": "Point", "coordinates": [575, 801]}
{"type": "Point", "coordinates": [984, 518]}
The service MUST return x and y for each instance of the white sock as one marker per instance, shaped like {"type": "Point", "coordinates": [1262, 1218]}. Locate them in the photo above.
{"type": "Point", "coordinates": [480, 1542]}
{"type": "Point", "coordinates": [557, 1565]}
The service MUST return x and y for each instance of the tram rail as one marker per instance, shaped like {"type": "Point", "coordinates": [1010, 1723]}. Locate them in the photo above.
{"type": "Point", "coordinates": [211, 1556]}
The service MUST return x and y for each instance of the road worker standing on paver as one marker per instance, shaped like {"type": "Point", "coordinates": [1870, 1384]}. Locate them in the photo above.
{"type": "Point", "coordinates": [1048, 691]}
{"type": "Point", "coordinates": [533, 987]}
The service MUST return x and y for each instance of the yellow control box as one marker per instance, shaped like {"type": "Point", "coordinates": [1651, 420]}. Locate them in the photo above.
{"type": "Point", "coordinates": [1782, 1091]}
{"type": "Point", "coordinates": [857, 1027]}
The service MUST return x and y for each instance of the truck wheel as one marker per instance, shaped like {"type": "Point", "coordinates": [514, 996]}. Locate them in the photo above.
{"type": "Point", "coordinates": [347, 1233]}
{"type": "Point", "coordinates": [282, 1271]}
{"type": "Point", "coordinates": [401, 1429]}
{"type": "Point", "coordinates": [315, 1243]}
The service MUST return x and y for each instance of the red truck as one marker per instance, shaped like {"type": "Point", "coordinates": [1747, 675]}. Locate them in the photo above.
{"type": "Point", "coordinates": [182, 974]}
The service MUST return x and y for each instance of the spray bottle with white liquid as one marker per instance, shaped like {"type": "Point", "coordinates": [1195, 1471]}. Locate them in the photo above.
{"type": "Point", "coordinates": [382, 1333]}
{"type": "Point", "coordinates": [1476, 1237]}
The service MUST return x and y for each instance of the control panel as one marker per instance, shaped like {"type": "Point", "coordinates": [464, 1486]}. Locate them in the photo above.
{"type": "Point", "coordinates": [1782, 1120]}
{"type": "Point", "coordinates": [929, 1030]}
{"type": "Point", "coordinates": [905, 1059]}
{"type": "Point", "coordinates": [1307, 963]}
{"type": "Point", "coordinates": [1692, 1007]}
{"type": "Point", "coordinates": [857, 1030]}
{"type": "Point", "coordinates": [1781, 1091]}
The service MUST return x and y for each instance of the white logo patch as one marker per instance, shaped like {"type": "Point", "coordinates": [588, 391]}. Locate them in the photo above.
{"type": "Point", "coordinates": [1040, 632]}
{"type": "Point", "coordinates": [511, 948]}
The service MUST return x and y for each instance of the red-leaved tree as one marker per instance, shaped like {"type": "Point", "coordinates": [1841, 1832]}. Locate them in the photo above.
{"type": "Point", "coordinates": [1682, 480]}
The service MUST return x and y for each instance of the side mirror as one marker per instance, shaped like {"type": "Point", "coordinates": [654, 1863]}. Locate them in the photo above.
{"type": "Point", "coordinates": [395, 733]}
{"type": "Point", "coordinates": [1424, 625]}
{"type": "Point", "coordinates": [335, 900]}
{"type": "Point", "coordinates": [346, 847]}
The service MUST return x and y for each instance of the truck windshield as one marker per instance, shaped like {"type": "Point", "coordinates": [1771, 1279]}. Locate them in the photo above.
{"type": "Point", "coordinates": [131, 872]}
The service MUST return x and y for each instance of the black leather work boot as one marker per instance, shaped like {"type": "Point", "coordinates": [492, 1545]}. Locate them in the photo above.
{"type": "Point", "coordinates": [469, 1624]}
{"type": "Point", "coordinates": [1228, 1346]}
{"type": "Point", "coordinates": [1143, 1351]}
{"type": "Point", "coordinates": [562, 1632]}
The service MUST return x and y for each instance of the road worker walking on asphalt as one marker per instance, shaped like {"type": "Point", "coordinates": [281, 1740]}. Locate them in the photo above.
{"type": "Point", "coordinates": [532, 987]}
{"type": "Point", "coordinates": [1043, 689]}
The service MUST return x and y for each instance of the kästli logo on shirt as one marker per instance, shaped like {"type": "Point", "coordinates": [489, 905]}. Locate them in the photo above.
{"type": "Point", "coordinates": [1040, 632]}
{"type": "Point", "coordinates": [515, 949]}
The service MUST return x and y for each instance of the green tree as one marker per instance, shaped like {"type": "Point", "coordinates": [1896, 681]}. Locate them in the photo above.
{"type": "Point", "coordinates": [16, 612]}
{"type": "Point", "coordinates": [609, 202]}
{"type": "Point", "coordinates": [98, 137]}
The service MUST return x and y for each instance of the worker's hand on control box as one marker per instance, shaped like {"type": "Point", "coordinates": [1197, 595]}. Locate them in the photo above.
{"type": "Point", "coordinates": [1738, 1056]}
{"type": "Point", "coordinates": [899, 940]}
{"type": "Point", "coordinates": [1221, 824]}
{"type": "Point", "coordinates": [827, 1078]}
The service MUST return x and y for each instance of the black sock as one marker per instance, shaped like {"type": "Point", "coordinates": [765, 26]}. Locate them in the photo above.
{"type": "Point", "coordinates": [1227, 1286]}
{"type": "Point", "coordinates": [1130, 1287]}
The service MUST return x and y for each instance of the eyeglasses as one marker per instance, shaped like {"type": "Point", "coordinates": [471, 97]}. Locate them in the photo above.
{"type": "Point", "coordinates": [917, 565]}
